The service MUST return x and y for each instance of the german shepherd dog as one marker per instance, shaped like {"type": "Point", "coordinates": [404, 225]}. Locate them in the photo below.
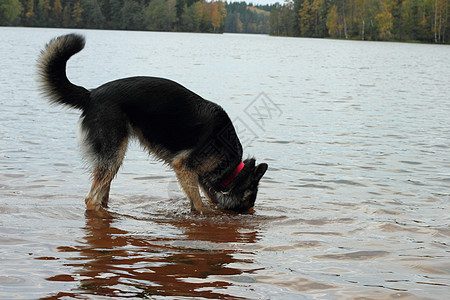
{"type": "Point", "coordinates": [194, 136]}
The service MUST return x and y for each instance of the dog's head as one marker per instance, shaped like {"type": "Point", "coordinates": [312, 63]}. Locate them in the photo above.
{"type": "Point", "coordinates": [242, 192]}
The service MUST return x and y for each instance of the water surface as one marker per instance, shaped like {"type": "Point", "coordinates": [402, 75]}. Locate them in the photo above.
{"type": "Point", "coordinates": [355, 202]}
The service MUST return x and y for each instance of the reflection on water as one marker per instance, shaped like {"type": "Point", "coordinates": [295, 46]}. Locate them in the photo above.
{"type": "Point", "coordinates": [114, 262]}
{"type": "Point", "coordinates": [355, 202]}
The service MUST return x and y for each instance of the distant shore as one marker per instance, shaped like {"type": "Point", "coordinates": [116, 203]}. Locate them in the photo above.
{"type": "Point", "coordinates": [385, 20]}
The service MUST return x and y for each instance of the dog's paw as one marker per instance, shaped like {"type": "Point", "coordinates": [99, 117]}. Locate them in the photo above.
{"type": "Point", "coordinates": [93, 204]}
{"type": "Point", "coordinates": [101, 213]}
{"type": "Point", "coordinates": [202, 209]}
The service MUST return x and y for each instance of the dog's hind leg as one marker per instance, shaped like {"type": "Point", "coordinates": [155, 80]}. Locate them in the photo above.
{"type": "Point", "coordinates": [104, 172]}
{"type": "Point", "coordinates": [104, 140]}
{"type": "Point", "coordinates": [99, 193]}
{"type": "Point", "coordinates": [189, 183]}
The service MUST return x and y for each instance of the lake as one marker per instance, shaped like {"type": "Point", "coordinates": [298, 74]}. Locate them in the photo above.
{"type": "Point", "coordinates": [355, 202]}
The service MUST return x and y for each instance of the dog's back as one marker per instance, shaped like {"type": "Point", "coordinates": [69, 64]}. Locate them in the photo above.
{"type": "Point", "coordinates": [165, 113]}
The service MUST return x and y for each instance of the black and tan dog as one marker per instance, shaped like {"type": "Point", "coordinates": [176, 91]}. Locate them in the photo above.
{"type": "Point", "coordinates": [192, 135]}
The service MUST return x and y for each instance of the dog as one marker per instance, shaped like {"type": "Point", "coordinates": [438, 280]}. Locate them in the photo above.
{"type": "Point", "coordinates": [194, 136]}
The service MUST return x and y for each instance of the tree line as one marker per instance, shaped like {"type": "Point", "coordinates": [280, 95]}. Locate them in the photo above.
{"type": "Point", "coordinates": [402, 20]}
{"type": "Point", "coordinates": [157, 15]}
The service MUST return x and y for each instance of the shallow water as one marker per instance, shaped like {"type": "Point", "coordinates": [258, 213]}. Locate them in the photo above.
{"type": "Point", "coordinates": [355, 202]}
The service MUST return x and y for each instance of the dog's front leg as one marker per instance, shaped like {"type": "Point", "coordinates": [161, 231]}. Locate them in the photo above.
{"type": "Point", "coordinates": [189, 183]}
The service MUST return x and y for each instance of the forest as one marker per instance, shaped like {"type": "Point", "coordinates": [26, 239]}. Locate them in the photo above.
{"type": "Point", "coordinates": [399, 20]}
{"type": "Point", "coordinates": [154, 15]}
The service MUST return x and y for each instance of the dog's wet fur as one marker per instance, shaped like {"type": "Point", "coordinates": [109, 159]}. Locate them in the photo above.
{"type": "Point", "coordinates": [192, 135]}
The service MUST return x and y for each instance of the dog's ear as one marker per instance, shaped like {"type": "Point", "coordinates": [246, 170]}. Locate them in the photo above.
{"type": "Point", "coordinates": [259, 172]}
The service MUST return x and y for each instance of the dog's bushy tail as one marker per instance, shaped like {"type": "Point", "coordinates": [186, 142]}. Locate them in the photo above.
{"type": "Point", "coordinates": [52, 71]}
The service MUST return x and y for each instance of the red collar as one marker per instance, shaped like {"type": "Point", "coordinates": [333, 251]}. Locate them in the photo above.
{"type": "Point", "coordinates": [232, 176]}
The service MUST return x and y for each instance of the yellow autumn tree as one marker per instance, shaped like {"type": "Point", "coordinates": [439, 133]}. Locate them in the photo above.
{"type": "Point", "coordinates": [305, 18]}
{"type": "Point", "coordinates": [201, 15]}
{"type": "Point", "coordinates": [216, 18]}
{"type": "Point", "coordinates": [385, 21]}
{"type": "Point", "coordinates": [57, 11]}
{"type": "Point", "coordinates": [334, 28]}
{"type": "Point", "coordinates": [77, 14]}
